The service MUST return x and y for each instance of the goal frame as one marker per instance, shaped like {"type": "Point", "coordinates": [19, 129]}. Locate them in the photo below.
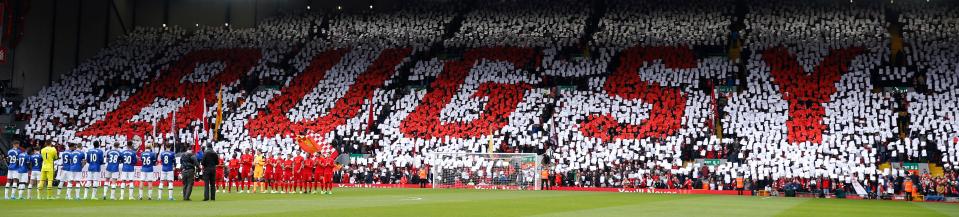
{"type": "Point", "coordinates": [436, 172]}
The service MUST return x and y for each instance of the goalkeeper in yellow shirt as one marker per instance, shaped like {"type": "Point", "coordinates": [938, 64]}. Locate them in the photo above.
{"type": "Point", "coordinates": [49, 155]}
{"type": "Point", "coordinates": [258, 164]}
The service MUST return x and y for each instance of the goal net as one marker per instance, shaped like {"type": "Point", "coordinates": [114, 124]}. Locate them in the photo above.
{"type": "Point", "coordinates": [514, 171]}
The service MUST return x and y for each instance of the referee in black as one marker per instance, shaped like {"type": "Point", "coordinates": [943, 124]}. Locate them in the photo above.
{"type": "Point", "coordinates": [210, 161]}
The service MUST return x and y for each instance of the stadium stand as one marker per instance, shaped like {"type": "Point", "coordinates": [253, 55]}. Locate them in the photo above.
{"type": "Point", "coordinates": [610, 92]}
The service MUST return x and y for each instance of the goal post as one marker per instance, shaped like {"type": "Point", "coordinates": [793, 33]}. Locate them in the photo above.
{"type": "Point", "coordinates": [513, 171]}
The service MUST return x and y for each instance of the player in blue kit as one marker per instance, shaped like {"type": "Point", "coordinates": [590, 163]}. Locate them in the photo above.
{"type": "Point", "coordinates": [167, 162]}
{"type": "Point", "coordinates": [63, 164]}
{"type": "Point", "coordinates": [23, 168]}
{"type": "Point", "coordinates": [75, 173]}
{"type": "Point", "coordinates": [128, 161]}
{"type": "Point", "coordinates": [12, 175]}
{"type": "Point", "coordinates": [37, 161]}
{"type": "Point", "coordinates": [113, 171]}
{"type": "Point", "coordinates": [149, 159]}
{"type": "Point", "coordinates": [94, 164]}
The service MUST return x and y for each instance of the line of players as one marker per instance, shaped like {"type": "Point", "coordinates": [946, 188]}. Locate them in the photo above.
{"type": "Point", "coordinates": [115, 170]}
{"type": "Point", "coordinates": [128, 170]}
{"type": "Point", "coordinates": [285, 174]}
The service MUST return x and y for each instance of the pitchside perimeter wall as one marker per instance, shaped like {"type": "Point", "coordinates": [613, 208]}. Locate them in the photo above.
{"type": "Point", "coordinates": [3, 179]}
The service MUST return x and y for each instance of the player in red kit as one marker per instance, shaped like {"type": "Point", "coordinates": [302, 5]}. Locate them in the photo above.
{"type": "Point", "coordinates": [246, 170]}
{"type": "Point", "coordinates": [318, 178]}
{"type": "Point", "coordinates": [324, 168]}
{"type": "Point", "coordinates": [268, 173]}
{"type": "Point", "coordinates": [309, 165]}
{"type": "Point", "coordinates": [220, 177]}
{"type": "Point", "coordinates": [234, 174]}
{"type": "Point", "coordinates": [287, 174]}
{"type": "Point", "coordinates": [321, 173]}
{"type": "Point", "coordinates": [328, 167]}
{"type": "Point", "coordinates": [297, 173]}
{"type": "Point", "coordinates": [276, 179]}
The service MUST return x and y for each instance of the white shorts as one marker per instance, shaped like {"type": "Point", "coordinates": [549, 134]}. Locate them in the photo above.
{"type": "Point", "coordinates": [74, 176]}
{"type": "Point", "coordinates": [64, 176]}
{"type": "Point", "coordinates": [13, 174]}
{"type": "Point", "coordinates": [148, 176]}
{"type": "Point", "coordinates": [61, 174]}
{"type": "Point", "coordinates": [112, 175]}
{"type": "Point", "coordinates": [166, 176]}
{"type": "Point", "coordinates": [24, 177]}
{"type": "Point", "coordinates": [93, 176]}
{"type": "Point", "coordinates": [127, 176]}
{"type": "Point", "coordinates": [35, 175]}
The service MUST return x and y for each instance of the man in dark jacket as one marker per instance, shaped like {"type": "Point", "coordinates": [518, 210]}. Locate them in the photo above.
{"type": "Point", "coordinates": [188, 165]}
{"type": "Point", "coordinates": [210, 161]}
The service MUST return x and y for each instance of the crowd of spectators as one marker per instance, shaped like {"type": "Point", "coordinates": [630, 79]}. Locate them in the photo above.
{"type": "Point", "coordinates": [613, 94]}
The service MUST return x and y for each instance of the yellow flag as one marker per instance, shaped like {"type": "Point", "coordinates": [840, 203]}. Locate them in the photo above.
{"type": "Point", "coordinates": [490, 147]}
{"type": "Point", "coordinates": [219, 113]}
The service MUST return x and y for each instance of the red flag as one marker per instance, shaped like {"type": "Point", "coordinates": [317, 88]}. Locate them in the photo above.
{"type": "Point", "coordinates": [143, 142]}
{"type": "Point", "coordinates": [196, 142]}
{"type": "Point", "coordinates": [307, 144]}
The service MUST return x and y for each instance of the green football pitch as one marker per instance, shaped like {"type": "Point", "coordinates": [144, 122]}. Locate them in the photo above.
{"type": "Point", "coordinates": [430, 202]}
